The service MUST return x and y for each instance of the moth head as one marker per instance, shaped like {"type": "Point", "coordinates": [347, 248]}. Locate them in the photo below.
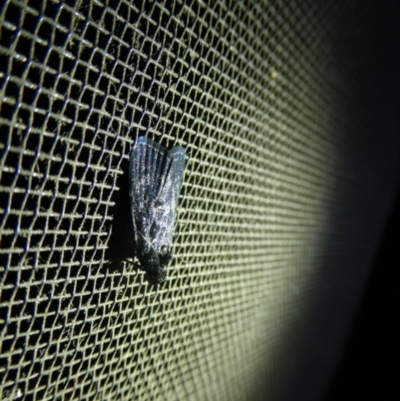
{"type": "Point", "coordinates": [154, 258]}
{"type": "Point", "coordinates": [164, 255]}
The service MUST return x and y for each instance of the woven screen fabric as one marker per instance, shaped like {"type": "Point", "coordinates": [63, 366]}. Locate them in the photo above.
{"type": "Point", "coordinates": [265, 98]}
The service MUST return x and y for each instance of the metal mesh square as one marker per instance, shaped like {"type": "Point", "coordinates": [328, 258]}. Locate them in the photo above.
{"type": "Point", "coordinates": [258, 94]}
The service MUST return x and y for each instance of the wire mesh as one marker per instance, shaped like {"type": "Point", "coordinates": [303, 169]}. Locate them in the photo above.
{"type": "Point", "coordinates": [251, 91]}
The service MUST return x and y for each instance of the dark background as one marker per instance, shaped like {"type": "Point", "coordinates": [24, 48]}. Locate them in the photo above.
{"type": "Point", "coordinates": [369, 368]}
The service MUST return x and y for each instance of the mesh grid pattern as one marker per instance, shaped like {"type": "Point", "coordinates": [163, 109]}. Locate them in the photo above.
{"type": "Point", "coordinates": [249, 89]}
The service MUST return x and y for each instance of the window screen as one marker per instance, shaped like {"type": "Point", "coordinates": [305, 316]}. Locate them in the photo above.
{"type": "Point", "coordinates": [267, 99]}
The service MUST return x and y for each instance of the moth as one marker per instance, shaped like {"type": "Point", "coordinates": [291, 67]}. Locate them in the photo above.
{"type": "Point", "coordinates": [155, 176]}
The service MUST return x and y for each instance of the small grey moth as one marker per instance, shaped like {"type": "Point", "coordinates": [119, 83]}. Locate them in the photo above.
{"type": "Point", "coordinates": [155, 176]}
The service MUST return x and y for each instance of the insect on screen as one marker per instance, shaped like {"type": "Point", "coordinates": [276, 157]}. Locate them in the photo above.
{"type": "Point", "coordinates": [268, 100]}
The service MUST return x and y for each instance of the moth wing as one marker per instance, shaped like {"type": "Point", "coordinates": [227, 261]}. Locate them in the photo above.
{"type": "Point", "coordinates": [165, 206]}
{"type": "Point", "coordinates": [147, 163]}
